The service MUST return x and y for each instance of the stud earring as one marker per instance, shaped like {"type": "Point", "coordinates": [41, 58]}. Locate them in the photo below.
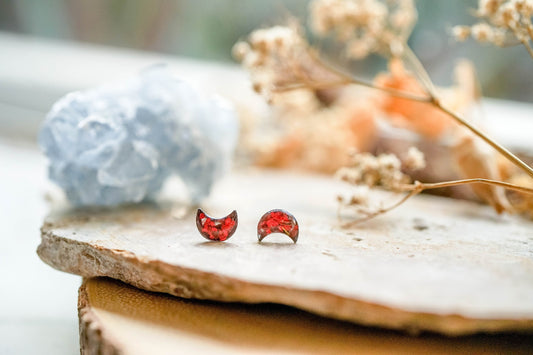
{"type": "Point", "coordinates": [216, 229]}
{"type": "Point", "coordinates": [277, 221]}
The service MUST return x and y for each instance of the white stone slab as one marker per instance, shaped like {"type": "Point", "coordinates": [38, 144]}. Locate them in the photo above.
{"type": "Point", "coordinates": [434, 264]}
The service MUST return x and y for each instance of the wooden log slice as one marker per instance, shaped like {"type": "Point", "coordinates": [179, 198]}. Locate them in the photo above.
{"type": "Point", "coordinates": [434, 264]}
{"type": "Point", "coordinates": [116, 318]}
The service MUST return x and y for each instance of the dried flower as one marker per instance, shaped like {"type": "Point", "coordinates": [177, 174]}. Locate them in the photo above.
{"type": "Point", "coordinates": [366, 169]}
{"type": "Point", "coordinates": [277, 57]}
{"type": "Point", "coordinates": [488, 7]}
{"type": "Point", "coordinates": [414, 159]}
{"type": "Point", "coordinates": [504, 23]}
{"type": "Point", "coordinates": [358, 197]}
{"type": "Point", "coordinates": [482, 32]}
{"type": "Point", "coordinates": [240, 50]}
{"type": "Point", "coordinates": [317, 125]}
{"type": "Point", "coordinates": [366, 26]}
{"type": "Point", "coordinates": [461, 33]}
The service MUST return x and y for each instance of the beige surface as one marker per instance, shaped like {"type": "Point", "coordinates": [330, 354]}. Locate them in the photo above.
{"type": "Point", "coordinates": [435, 264]}
{"type": "Point", "coordinates": [115, 317]}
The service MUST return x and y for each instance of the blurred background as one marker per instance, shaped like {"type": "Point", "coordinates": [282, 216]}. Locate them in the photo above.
{"type": "Point", "coordinates": [207, 29]}
{"type": "Point", "coordinates": [39, 60]}
{"type": "Point", "coordinates": [48, 48]}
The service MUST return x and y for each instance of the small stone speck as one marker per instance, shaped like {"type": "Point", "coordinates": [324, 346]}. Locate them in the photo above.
{"type": "Point", "coordinates": [419, 224]}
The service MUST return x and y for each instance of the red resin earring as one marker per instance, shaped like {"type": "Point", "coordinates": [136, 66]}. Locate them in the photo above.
{"type": "Point", "coordinates": [277, 221]}
{"type": "Point", "coordinates": [218, 230]}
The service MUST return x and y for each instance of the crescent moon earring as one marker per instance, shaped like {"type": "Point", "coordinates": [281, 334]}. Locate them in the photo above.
{"type": "Point", "coordinates": [278, 221]}
{"type": "Point", "coordinates": [216, 229]}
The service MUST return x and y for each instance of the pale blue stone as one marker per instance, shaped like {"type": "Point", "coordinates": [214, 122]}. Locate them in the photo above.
{"type": "Point", "coordinates": [117, 144]}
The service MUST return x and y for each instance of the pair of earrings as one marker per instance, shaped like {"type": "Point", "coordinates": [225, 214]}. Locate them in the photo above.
{"type": "Point", "coordinates": [221, 229]}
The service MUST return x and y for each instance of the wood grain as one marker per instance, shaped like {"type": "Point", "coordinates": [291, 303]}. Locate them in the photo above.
{"type": "Point", "coordinates": [119, 319]}
{"type": "Point", "coordinates": [435, 265]}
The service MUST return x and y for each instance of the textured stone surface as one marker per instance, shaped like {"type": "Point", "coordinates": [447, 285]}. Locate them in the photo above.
{"type": "Point", "coordinates": [117, 144]}
{"type": "Point", "coordinates": [116, 318]}
{"type": "Point", "coordinates": [434, 264]}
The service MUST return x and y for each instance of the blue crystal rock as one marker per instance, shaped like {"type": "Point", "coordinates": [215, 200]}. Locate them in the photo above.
{"type": "Point", "coordinates": [118, 144]}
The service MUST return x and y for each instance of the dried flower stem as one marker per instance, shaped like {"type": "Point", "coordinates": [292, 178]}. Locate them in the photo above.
{"type": "Point", "coordinates": [502, 150]}
{"type": "Point", "coordinates": [526, 44]}
{"type": "Point", "coordinates": [355, 81]}
{"type": "Point", "coordinates": [371, 215]}
{"type": "Point", "coordinates": [426, 81]}
{"type": "Point", "coordinates": [529, 27]}
{"type": "Point", "coordinates": [523, 39]}
{"type": "Point", "coordinates": [417, 187]}
{"type": "Point", "coordinates": [344, 80]}
{"type": "Point", "coordinates": [420, 71]}
{"type": "Point", "coordinates": [437, 185]}
{"type": "Point", "coordinates": [430, 99]}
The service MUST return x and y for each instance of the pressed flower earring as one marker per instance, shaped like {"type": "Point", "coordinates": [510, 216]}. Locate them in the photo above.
{"type": "Point", "coordinates": [278, 221]}
{"type": "Point", "coordinates": [216, 229]}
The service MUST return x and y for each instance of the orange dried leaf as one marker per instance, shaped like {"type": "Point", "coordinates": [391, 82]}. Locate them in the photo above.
{"type": "Point", "coordinates": [522, 202]}
{"type": "Point", "coordinates": [474, 162]}
{"type": "Point", "coordinates": [420, 117]}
